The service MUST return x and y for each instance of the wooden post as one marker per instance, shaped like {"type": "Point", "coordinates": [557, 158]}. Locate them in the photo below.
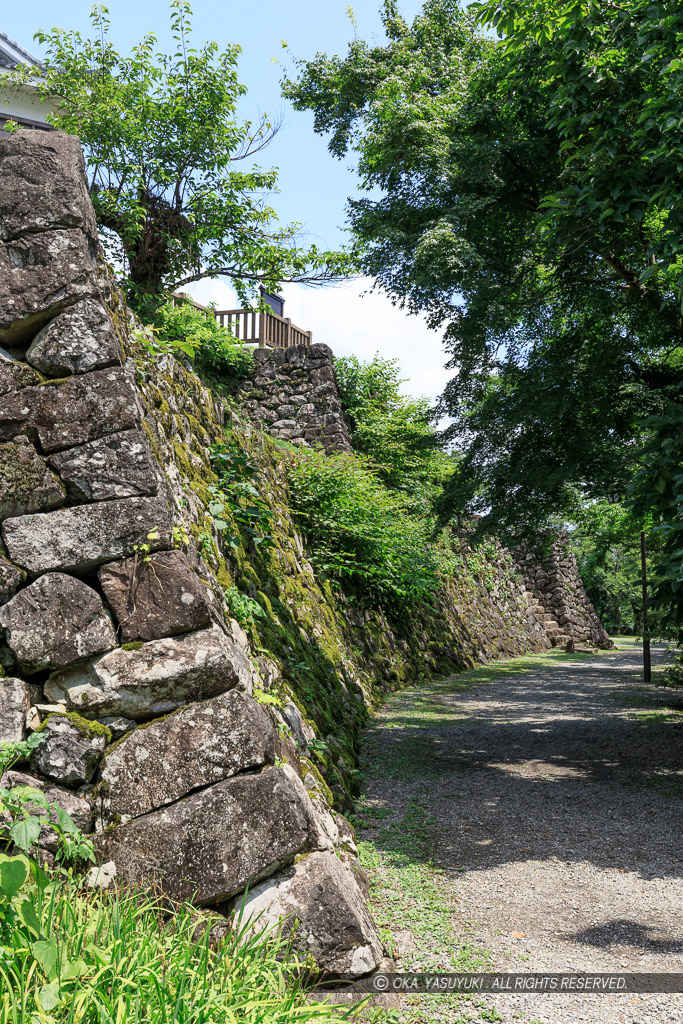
{"type": "Point", "coordinates": [262, 330]}
{"type": "Point", "coordinates": [647, 665]}
{"type": "Point", "coordinates": [288, 329]}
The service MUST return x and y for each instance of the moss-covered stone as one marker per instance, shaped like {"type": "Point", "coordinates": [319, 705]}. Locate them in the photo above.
{"type": "Point", "coordinates": [85, 726]}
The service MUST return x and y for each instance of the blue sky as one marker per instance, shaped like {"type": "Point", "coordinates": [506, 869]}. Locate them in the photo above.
{"type": "Point", "coordinates": [314, 186]}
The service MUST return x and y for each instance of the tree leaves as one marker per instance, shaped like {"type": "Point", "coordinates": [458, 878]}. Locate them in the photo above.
{"type": "Point", "coordinates": [161, 140]}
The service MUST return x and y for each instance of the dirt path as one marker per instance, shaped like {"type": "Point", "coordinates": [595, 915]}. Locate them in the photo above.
{"type": "Point", "coordinates": [542, 816]}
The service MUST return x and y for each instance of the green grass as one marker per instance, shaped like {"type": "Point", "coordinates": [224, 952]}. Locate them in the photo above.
{"type": "Point", "coordinates": [118, 959]}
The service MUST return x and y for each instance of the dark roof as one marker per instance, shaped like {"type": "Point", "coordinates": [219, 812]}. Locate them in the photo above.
{"type": "Point", "coordinates": [7, 60]}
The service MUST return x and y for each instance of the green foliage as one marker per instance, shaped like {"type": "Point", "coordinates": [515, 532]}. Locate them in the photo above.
{"type": "Point", "coordinates": [608, 80]}
{"type": "Point", "coordinates": [161, 140]}
{"type": "Point", "coordinates": [658, 490]}
{"type": "Point", "coordinates": [526, 195]}
{"type": "Point", "coordinates": [673, 676]}
{"type": "Point", "coordinates": [361, 533]}
{"type": "Point", "coordinates": [212, 348]}
{"type": "Point", "coordinates": [395, 432]}
{"type": "Point", "coordinates": [242, 607]}
{"type": "Point", "coordinates": [607, 547]}
{"type": "Point", "coordinates": [368, 387]}
{"type": "Point", "coordinates": [24, 810]}
{"type": "Point", "coordinates": [68, 958]}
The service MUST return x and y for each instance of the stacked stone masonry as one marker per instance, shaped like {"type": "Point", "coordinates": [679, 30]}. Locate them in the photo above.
{"type": "Point", "coordinates": [116, 638]}
{"type": "Point", "coordinates": [293, 395]}
{"type": "Point", "coordinates": [108, 616]}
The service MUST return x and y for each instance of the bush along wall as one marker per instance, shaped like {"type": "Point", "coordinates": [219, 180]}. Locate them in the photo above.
{"type": "Point", "coordinates": [171, 618]}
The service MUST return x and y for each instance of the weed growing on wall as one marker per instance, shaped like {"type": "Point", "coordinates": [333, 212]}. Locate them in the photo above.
{"type": "Point", "coordinates": [212, 348]}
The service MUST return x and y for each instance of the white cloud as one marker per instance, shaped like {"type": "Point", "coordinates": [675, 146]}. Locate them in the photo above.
{"type": "Point", "coordinates": [355, 324]}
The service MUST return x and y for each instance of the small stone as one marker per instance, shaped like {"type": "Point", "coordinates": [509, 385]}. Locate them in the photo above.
{"type": "Point", "coordinates": [214, 843]}
{"type": "Point", "coordinates": [14, 376]}
{"type": "Point", "coordinates": [33, 720]}
{"type": "Point", "coordinates": [11, 578]}
{"type": "Point", "coordinates": [56, 621]}
{"type": "Point", "coordinates": [154, 678]}
{"type": "Point", "coordinates": [319, 903]}
{"type": "Point", "coordinates": [303, 733]}
{"type": "Point", "coordinates": [191, 748]}
{"type": "Point", "coordinates": [102, 876]}
{"type": "Point", "coordinates": [84, 537]}
{"type": "Point", "coordinates": [118, 725]}
{"type": "Point", "coordinates": [69, 754]}
{"type": "Point", "coordinates": [15, 701]}
{"type": "Point", "coordinates": [156, 597]}
{"type": "Point", "coordinates": [26, 484]}
{"type": "Point", "coordinates": [117, 466]}
{"type": "Point", "coordinates": [79, 340]}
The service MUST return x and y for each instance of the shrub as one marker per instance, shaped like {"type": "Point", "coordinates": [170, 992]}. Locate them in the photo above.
{"type": "Point", "coordinates": [368, 387]}
{"type": "Point", "coordinates": [71, 958]}
{"type": "Point", "coordinates": [396, 432]}
{"type": "Point", "coordinates": [360, 531]}
{"type": "Point", "coordinates": [199, 335]}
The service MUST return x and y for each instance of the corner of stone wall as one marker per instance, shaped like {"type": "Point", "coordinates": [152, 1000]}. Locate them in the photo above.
{"type": "Point", "coordinates": [114, 597]}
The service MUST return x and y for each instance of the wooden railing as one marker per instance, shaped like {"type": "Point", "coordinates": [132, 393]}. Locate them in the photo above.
{"type": "Point", "coordinates": [265, 329]}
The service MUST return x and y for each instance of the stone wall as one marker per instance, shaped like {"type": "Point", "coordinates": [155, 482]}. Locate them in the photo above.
{"type": "Point", "coordinates": [115, 627]}
{"type": "Point", "coordinates": [293, 396]}
{"type": "Point", "coordinates": [191, 744]}
{"type": "Point", "coordinates": [552, 577]}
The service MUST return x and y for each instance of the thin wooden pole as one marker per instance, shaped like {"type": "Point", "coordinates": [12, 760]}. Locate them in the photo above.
{"type": "Point", "coordinates": [647, 665]}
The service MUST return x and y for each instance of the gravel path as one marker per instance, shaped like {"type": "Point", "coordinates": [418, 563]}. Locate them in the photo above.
{"type": "Point", "coordinates": [554, 804]}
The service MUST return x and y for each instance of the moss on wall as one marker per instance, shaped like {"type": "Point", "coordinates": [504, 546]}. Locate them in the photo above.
{"type": "Point", "coordinates": [334, 659]}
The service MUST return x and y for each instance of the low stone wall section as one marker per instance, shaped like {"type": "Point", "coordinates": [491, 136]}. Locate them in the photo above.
{"type": "Point", "coordinates": [293, 395]}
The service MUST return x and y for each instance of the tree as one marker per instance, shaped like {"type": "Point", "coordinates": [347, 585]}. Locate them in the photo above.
{"type": "Point", "coordinates": [526, 194]}
{"type": "Point", "coordinates": [163, 148]}
{"type": "Point", "coordinates": [396, 432]}
{"type": "Point", "coordinates": [607, 546]}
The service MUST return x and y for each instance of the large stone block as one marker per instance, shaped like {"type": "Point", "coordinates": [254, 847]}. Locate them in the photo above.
{"type": "Point", "coordinates": [56, 621]}
{"type": "Point", "coordinates": [79, 340]}
{"type": "Point", "coordinates": [40, 275]}
{"type": "Point", "coordinates": [214, 843]}
{"type": "Point", "coordinates": [26, 483]}
{"type": "Point", "coordinates": [320, 905]}
{"type": "Point", "coordinates": [84, 537]}
{"type": "Point", "coordinates": [63, 415]}
{"type": "Point", "coordinates": [194, 747]}
{"type": "Point", "coordinates": [117, 466]}
{"type": "Point", "coordinates": [155, 597]}
{"type": "Point", "coordinates": [69, 753]}
{"type": "Point", "coordinates": [154, 678]}
{"type": "Point", "coordinates": [15, 700]}
{"type": "Point", "coordinates": [43, 185]}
